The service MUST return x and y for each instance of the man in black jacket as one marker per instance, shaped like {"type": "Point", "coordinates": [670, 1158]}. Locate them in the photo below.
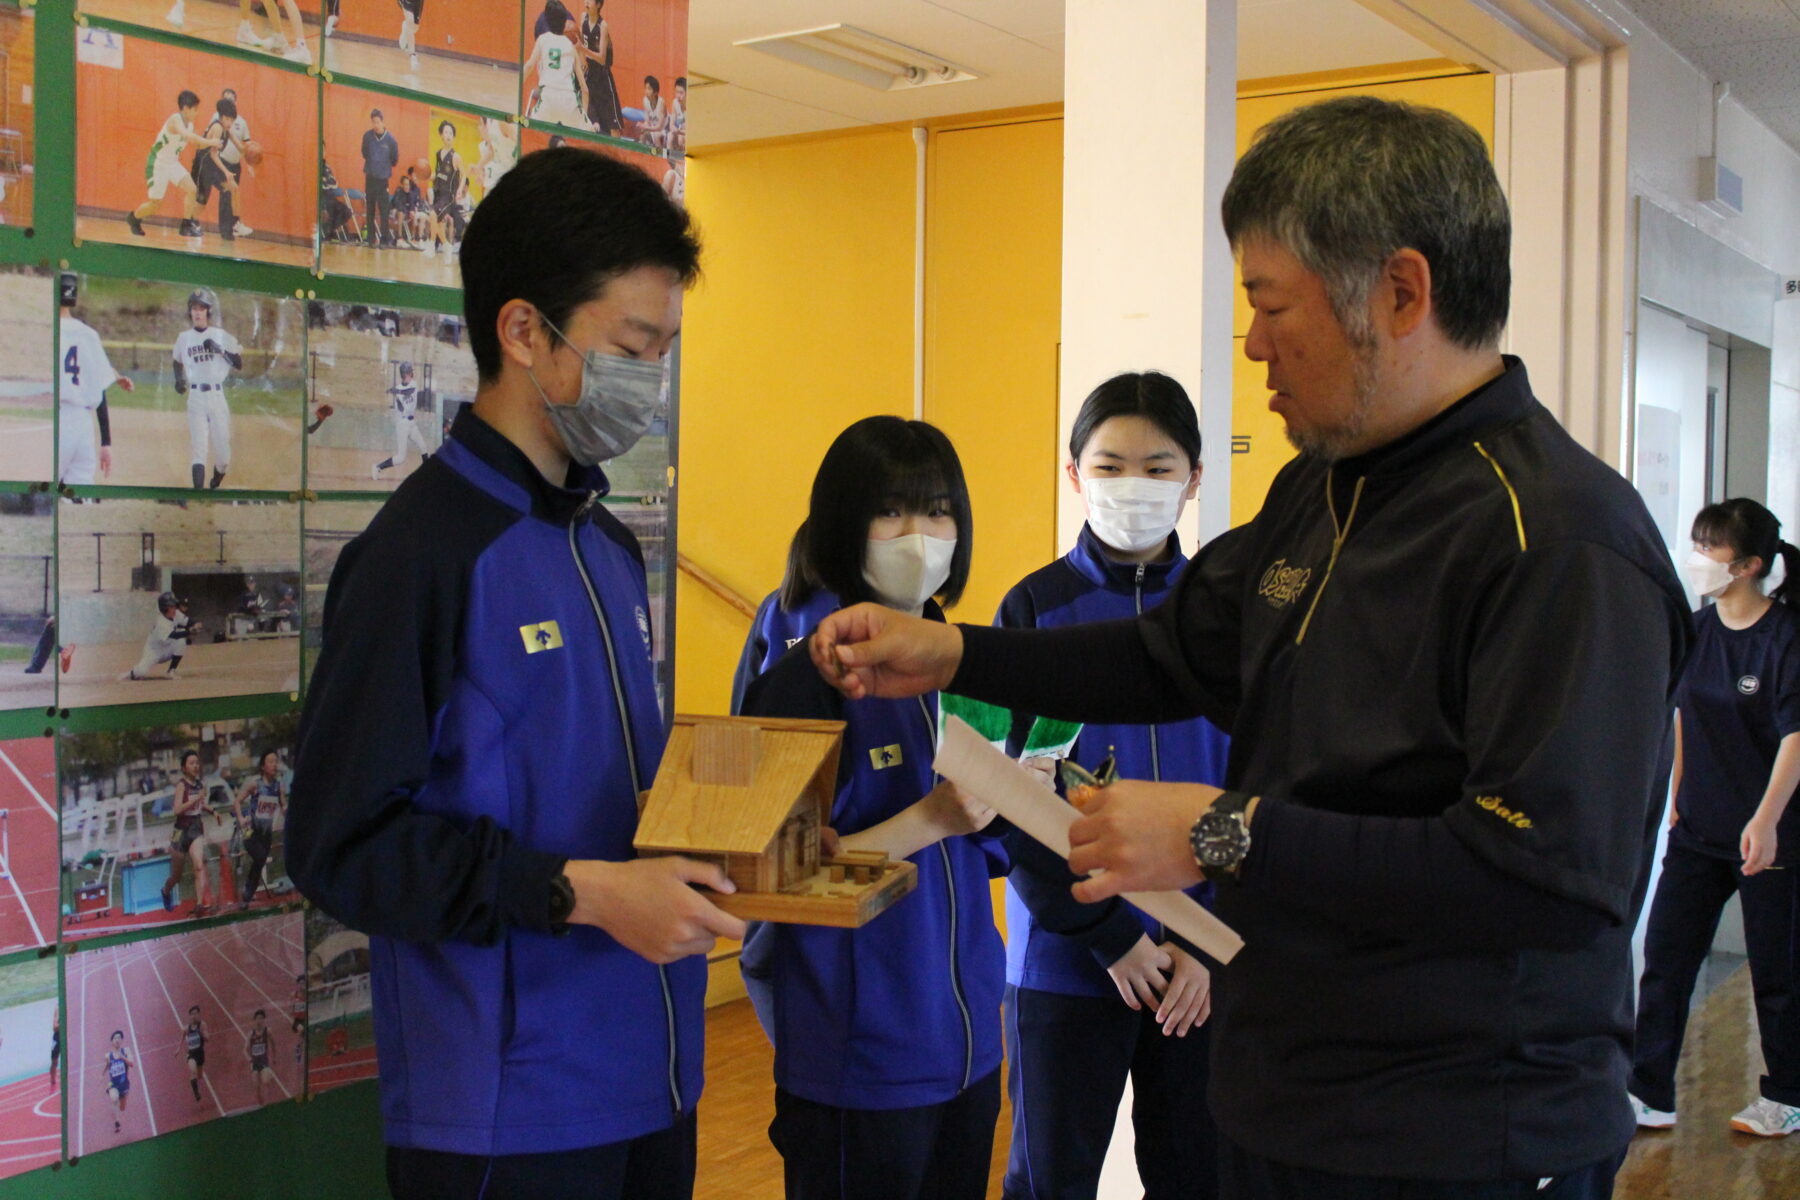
{"type": "Point", "coordinates": [1445, 649]}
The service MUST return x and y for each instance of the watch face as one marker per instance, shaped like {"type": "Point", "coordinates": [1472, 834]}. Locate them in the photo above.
{"type": "Point", "coordinates": [1220, 840]}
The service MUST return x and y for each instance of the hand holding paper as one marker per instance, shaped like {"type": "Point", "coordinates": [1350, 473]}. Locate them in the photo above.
{"type": "Point", "coordinates": [993, 778]}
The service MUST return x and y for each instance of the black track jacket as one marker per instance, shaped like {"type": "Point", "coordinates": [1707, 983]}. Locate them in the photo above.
{"type": "Point", "coordinates": [1447, 667]}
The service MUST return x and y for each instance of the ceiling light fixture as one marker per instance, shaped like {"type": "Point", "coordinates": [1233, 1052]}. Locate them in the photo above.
{"type": "Point", "coordinates": [860, 57]}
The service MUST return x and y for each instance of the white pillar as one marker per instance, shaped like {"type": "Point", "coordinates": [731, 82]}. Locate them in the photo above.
{"type": "Point", "coordinates": [1149, 139]}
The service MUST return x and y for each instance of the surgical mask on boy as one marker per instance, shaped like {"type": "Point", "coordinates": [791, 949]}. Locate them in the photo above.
{"type": "Point", "coordinates": [1707, 576]}
{"type": "Point", "coordinates": [617, 403]}
{"type": "Point", "coordinates": [905, 572]}
{"type": "Point", "coordinates": [1131, 513]}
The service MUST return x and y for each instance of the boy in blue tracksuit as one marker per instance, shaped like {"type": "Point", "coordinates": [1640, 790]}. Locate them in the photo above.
{"type": "Point", "coordinates": [1087, 998]}
{"type": "Point", "coordinates": [887, 1038]}
{"type": "Point", "coordinates": [484, 716]}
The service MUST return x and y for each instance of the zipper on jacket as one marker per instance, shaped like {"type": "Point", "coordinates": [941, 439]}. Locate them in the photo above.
{"type": "Point", "coordinates": [1155, 761]}
{"type": "Point", "coordinates": [637, 782]}
{"type": "Point", "coordinates": [1337, 544]}
{"type": "Point", "coordinates": [950, 887]}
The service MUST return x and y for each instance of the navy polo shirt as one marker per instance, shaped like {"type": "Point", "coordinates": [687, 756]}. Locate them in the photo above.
{"type": "Point", "coordinates": [1739, 698]}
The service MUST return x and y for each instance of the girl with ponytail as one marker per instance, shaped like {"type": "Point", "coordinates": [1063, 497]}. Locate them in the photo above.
{"type": "Point", "coordinates": [1733, 826]}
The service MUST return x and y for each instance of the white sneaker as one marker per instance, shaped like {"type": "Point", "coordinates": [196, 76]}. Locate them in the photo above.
{"type": "Point", "coordinates": [1651, 1118]}
{"type": "Point", "coordinates": [247, 36]}
{"type": "Point", "coordinates": [330, 26]}
{"type": "Point", "coordinates": [177, 15]}
{"type": "Point", "coordinates": [242, 230]}
{"type": "Point", "coordinates": [412, 62]}
{"type": "Point", "coordinates": [299, 53]}
{"type": "Point", "coordinates": [375, 471]}
{"type": "Point", "coordinates": [1768, 1118]}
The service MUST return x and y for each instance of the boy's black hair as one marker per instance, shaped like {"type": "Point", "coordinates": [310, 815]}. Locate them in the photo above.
{"type": "Point", "coordinates": [187, 99]}
{"type": "Point", "coordinates": [260, 1013]}
{"type": "Point", "coordinates": [1147, 394]}
{"type": "Point", "coordinates": [651, 83]}
{"type": "Point", "coordinates": [193, 1008]}
{"type": "Point", "coordinates": [555, 231]}
{"type": "Point", "coordinates": [877, 463]}
{"type": "Point", "coordinates": [450, 125]}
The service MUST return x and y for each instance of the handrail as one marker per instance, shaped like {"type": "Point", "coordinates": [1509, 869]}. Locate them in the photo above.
{"type": "Point", "coordinates": [713, 584]}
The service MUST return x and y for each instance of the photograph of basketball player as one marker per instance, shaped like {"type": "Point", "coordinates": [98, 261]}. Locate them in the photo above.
{"type": "Point", "coordinates": [18, 42]}
{"type": "Point", "coordinates": [468, 49]}
{"type": "Point", "coordinates": [147, 594]}
{"type": "Point", "coordinates": [223, 169]}
{"type": "Point", "coordinates": [274, 27]}
{"type": "Point", "coordinates": [422, 170]}
{"type": "Point", "coordinates": [650, 120]}
{"type": "Point", "coordinates": [167, 385]}
{"type": "Point", "coordinates": [556, 87]}
{"type": "Point", "coordinates": [449, 192]}
{"type": "Point", "coordinates": [237, 133]}
{"type": "Point", "coordinates": [597, 50]}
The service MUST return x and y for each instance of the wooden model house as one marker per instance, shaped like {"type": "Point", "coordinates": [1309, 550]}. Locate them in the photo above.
{"type": "Point", "coordinates": [752, 795]}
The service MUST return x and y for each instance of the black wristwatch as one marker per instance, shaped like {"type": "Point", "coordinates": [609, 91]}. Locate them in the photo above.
{"type": "Point", "coordinates": [1221, 838]}
{"type": "Point", "coordinates": [562, 903]}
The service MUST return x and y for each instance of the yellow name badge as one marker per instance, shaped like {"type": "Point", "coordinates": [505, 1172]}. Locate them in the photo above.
{"type": "Point", "coordinates": [545, 635]}
{"type": "Point", "coordinates": [883, 757]}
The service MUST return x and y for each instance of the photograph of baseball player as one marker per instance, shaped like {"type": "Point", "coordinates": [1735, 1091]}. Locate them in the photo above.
{"type": "Point", "coordinates": [28, 641]}
{"type": "Point", "coordinates": [27, 357]}
{"type": "Point", "coordinates": [226, 147]}
{"type": "Point", "coordinates": [165, 824]}
{"type": "Point", "coordinates": [30, 1067]}
{"type": "Point", "coordinates": [280, 28]}
{"type": "Point", "coordinates": [330, 524]}
{"type": "Point", "coordinates": [18, 121]}
{"type": "Point", "coordinates": [380, 380]}
{"type": "Point", "coordinates": [422, 169]}
{"type": "Point", "coordinates": [468, 49]}
{"type": "Point", "coordinates": [608, 55]}
{"type": "Point", "coordinates": [171, 385]}
{"type": "Point", "coordinates": [140, 1065]}
{"type": "Point", "coordinates": [336, 1019]}
{"type": "Point", "coordinates": [156, 600]}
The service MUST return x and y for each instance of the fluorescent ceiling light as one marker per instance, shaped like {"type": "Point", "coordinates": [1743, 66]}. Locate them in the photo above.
{"type": "Point", "coordinates": [860, 57]}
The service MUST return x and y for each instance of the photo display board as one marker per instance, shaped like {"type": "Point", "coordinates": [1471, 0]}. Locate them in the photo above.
{"type": "Point", "coordinates": [230, 326]}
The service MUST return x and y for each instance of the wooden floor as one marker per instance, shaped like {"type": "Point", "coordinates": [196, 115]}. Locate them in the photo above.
{"type": "Point", "coordinates": [1700, 1159]}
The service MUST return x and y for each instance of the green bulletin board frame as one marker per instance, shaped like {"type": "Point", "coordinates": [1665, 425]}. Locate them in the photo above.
{"type": "Point", "coordinates": [329, 1146]}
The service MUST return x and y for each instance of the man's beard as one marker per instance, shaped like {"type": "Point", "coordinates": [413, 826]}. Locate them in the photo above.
{"type": "Point", "coordinates": [1347, 436]}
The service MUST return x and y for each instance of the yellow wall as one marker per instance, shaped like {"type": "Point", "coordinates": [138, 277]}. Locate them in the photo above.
{"type": "Point", "coordinates": [801, 324]}
{"type": "Point", "coordinates": [993, 309]}
{"type": "Point", "coordinates": [804, 324]}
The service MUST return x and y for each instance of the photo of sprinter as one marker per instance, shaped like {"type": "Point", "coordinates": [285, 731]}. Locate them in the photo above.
{"type": "Point", "coordinates": [30, 1035]}
{"type": "Point", "coordinates": [132, 1072]}
{"type": "Point", "coordinates": [170, 385]}
{"type": "Point", "coordinates": [190, 151]}
{"type": "Point", "coordinates": [149, 593]}
{"type": "Point", "coordinates": [163, 824]}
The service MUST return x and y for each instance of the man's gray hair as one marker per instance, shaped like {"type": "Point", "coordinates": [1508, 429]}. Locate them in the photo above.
{"type": "Point", "coordinates": [1344, 184]}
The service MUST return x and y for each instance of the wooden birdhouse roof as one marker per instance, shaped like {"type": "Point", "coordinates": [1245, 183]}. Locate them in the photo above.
{"type": "Point", "coordinates": [726, 784]}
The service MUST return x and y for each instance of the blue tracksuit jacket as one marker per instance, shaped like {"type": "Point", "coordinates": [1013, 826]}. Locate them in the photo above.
{"type": "Point", "coordinates": [1055, 944]}
{"type": "Point", "coordinates": [905, 1011]}
{"type": "Point", "coordinates": [484, 709]}
{"type": "Point", "coordinates": [773, 633]}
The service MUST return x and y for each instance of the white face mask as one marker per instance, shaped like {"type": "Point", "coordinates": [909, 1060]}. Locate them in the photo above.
{"type": "Point", "coordinates": [1131, 513]}
{"type": "Point", "coordinates": [904, 572]}
{"type": "Point", "coordinates": [1707, 576]}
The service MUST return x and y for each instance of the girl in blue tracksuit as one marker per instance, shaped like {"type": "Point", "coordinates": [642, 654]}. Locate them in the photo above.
{"type": "Point", "coordinates": [887, 1038]}
{"type": "Point", "coordinates": [1098, 992]}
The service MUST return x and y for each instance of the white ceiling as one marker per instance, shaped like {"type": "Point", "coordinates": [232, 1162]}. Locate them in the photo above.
{"type": "Point", "coordinates": [1015, 46]}
{"type": "Point", "coordinates": [1752, 44]}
